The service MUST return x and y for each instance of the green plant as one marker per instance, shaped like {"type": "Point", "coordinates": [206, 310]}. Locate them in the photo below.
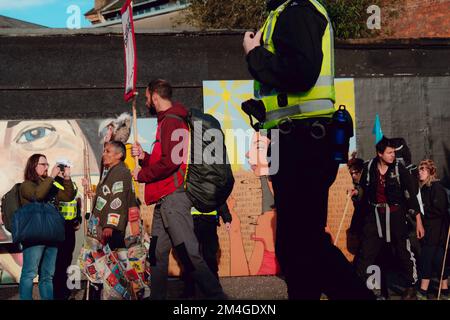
{"type": "Point", "coordinates": [349, 18]}
{"type": "Point", "coordinates": [230, 14]}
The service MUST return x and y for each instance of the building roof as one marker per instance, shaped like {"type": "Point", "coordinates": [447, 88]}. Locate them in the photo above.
{"type": "Point", "coordinates": [119, 4]}
{"type": "Point", "coordinates": [11, 23]}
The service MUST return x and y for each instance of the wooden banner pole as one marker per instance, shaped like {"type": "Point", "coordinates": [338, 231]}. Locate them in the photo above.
{"type": "Point", "coordinates": [343, 218]}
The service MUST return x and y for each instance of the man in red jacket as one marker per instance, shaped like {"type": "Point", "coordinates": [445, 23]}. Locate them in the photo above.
{"type": "Point", "coordinates": [163, 174]}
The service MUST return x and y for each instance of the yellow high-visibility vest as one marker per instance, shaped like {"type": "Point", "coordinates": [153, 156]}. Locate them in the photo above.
{"type": "Point", "coordinates": [195, 212]}
{"type": "Point", "coordinates": [67, 209]}
{"type": "Point", "coordinates": [316, 102]}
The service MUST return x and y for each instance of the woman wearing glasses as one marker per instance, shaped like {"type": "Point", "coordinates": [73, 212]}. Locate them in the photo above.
{"type": "Point", "coordinates": [40, 258]}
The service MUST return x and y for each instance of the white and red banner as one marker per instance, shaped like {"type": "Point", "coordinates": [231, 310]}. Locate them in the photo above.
{"type": "Point", "coordinates": [130, 50]}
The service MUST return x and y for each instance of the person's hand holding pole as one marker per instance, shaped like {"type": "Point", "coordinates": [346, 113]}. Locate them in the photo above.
{"type": "Point", "coordinates": [137, 151]}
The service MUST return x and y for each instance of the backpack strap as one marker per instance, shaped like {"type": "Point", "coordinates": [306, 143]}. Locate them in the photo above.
{"type": "Point", "coordinates": [397, 174]}
{"type": "Point", "coordinates": [368, 172]}
{"type": "Point", "coordinates": [174, 116]}
{"type": "Point", "coordinates": [180, 169]}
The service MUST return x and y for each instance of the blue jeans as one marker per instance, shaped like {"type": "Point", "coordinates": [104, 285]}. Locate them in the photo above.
{"type": "Point", "coordinates": [36, 259]}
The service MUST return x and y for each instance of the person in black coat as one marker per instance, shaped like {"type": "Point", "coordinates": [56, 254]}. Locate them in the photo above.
{"type": "Point", "coordinates": [436, 224]}
{"type": "Point", "coordinates": [390, 192]}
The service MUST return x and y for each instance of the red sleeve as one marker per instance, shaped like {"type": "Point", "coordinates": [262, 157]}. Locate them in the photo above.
{"type": "Point", "coordinates": [166, 165]}
{"type": "Point", "coordinates": [146, 161]}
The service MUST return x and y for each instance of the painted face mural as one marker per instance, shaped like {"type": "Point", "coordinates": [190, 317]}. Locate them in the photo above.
{"type": "Point", "coordinates": [57, 139]}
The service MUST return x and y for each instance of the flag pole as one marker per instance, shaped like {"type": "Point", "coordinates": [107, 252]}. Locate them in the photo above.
{"type": "Point", "coordinates": [443, 265]}
{"type": "Point", "coordinates": [343, 218]}
{"type": "Point", "coordinates": [87, 177]}
{"type": "Point", "coordinates": [135, 131]}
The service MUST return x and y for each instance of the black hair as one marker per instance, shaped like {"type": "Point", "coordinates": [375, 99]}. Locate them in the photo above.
{"type": "Point", "coordinates": [355, 163]}
{"type": "Point", "coordinates": [383, 144]}
{"type": "Point", "coordinates": [161, 87]}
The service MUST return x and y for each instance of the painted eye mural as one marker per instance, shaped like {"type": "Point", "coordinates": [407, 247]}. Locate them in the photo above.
{"type": "Point", "coordinates": [38, 137]}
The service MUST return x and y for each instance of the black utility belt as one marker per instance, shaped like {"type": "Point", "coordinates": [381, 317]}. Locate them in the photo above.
{"type": "Point", "coordinates": [318, 127]}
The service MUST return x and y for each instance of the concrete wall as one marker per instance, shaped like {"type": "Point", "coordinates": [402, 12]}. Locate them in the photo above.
{"type": "Point", "coordinates": [60, 74]}
{"type": "Point", "coordinates": [415, 108]}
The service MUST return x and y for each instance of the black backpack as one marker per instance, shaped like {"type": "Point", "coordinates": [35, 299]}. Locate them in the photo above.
{"type": "Point", "coordinates": [209, 179]}
{"type": "Point", "coordinates": [10, 204]}
{"type": "Point", "coordinates": [403, 155]}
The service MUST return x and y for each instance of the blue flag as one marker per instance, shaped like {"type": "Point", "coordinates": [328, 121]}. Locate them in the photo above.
{"type": "Point", "coordinates": [377, 129]}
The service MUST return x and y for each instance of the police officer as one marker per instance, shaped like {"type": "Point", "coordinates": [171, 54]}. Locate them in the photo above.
{"type": "Point", "coordinates": [291, 59]}
{"type": "Point", "coordinates": [71, 213]}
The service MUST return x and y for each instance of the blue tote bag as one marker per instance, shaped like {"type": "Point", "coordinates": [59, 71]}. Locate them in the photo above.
{"type": "Point", "coordinates": [38, 222]}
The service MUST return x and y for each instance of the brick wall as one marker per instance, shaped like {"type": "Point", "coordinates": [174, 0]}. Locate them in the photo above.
{"type": "Point", "coordinates": [416, 19]}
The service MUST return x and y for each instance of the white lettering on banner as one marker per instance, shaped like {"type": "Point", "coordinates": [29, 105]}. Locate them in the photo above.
{"type": "Point", "coordinates": [129, 43]}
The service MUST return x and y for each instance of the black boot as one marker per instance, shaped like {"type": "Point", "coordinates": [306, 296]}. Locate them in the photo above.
{"type": "Point", "coordinates": [409, 294]}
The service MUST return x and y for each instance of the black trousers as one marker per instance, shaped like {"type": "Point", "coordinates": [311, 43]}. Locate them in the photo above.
{"type": "Point", "coordinates": [63, 261]}
{"type": "Point", "coordinates": [431, 259]}
{"type": "Point", "coordinates": [205, 228]}
{"type": "Point", "coordinates": [311, 264]}
{"type": "Point", "coordinates": [372, 245]}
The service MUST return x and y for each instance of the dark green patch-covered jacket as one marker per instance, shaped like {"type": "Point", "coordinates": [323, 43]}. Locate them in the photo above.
{"type": "Point", "coordinates": [114, 196]}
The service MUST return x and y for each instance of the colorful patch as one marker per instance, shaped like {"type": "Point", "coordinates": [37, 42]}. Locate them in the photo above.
{"type": "Point", "coordinates": [126, 296]}
{"type": "Point", "coordinates": [120, 289]}
{"type": "Point", "coordinates": [92, 226]}
{"type": "Point", "coordinates": [113, 219]}
{"type": "Point", "coordinates": [91, 270]}
{"type": "Point", "coordinates": [100, 203]}
{"type": "Point", "coordinates": [112, 280]}
{"type": "Point", "coordinates": [98, 254]}
{"type": "Point", "coordinates": [117, 187]}
{"type": "Point", "coordinates": [138, 266]}
{"type": "Point", "coordinates": [115, 204]}
{"type": "Point", "coordinates": [132, 275]}
{"type": "Point", "coordinates": [105, 190]}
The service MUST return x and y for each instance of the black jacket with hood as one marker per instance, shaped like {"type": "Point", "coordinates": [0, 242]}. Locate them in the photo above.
{"type": "Point", "coordinates": [401, 187]}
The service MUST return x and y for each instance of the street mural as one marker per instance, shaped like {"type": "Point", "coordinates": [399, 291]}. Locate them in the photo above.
{"type": "Point", "coordinates": [249, 247]}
